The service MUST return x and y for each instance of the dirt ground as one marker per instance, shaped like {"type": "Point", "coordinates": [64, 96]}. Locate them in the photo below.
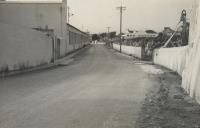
{"type": "Point", "coordinates": [168, 106]}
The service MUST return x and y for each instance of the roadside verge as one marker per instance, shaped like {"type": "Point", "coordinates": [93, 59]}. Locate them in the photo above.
{"type": "Point", "coordinates": [167, 105]}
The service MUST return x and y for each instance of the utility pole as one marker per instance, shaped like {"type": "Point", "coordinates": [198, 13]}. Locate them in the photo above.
{"type": "Point", "coordinates": [121, 8]}
{"type": "Point", "coordinates": [69, 14]}
{"type": "Point", "coordinates": [185, 27]}
{"type": "Point", "coordinates": [108, 29]}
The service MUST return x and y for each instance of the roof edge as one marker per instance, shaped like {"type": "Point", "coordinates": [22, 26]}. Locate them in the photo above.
{"type": "Point", "coordinates": [77, 28]}
{"type": "Point", "coordinates": [30, 2]}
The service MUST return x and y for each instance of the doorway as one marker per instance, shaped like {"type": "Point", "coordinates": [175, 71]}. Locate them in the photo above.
{"type": "Point", "coordinates": [58, 55]}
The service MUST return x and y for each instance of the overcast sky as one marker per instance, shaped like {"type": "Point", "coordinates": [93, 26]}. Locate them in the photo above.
{"type": "Point", "coordinates": [96, 15]}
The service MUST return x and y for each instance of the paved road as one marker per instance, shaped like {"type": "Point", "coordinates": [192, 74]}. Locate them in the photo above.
{"type": "Point", "coordinates": [100, 89]}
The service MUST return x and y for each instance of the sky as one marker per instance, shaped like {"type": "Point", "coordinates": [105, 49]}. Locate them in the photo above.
{"type": "Point", "coordinates": [96, 15]}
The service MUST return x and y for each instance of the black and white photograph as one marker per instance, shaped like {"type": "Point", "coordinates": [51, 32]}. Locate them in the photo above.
{"type": "Point", "coordinates": [99, 63]}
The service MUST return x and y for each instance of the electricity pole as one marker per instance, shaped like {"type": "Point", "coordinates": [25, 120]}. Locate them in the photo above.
{"type": "Point", "coordinates": [121, 8]}
{"type": "Point", "coordinates": [108, 29]}
{"type": "Point", "coordinates": [69, 14]}
{"type": "Point", "coordinates": [185, 27]}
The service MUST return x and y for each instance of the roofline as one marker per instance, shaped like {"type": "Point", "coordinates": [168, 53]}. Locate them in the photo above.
{"type": "Point", "coordinates": [77, 29]}
{"type": "Point", "coordinates": [31, 2]}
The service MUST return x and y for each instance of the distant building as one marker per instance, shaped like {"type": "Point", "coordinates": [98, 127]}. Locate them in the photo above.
{"type": "Point", "coordinates": [132, 34]}
{"type": "Point", "coordinates": [169, 32]}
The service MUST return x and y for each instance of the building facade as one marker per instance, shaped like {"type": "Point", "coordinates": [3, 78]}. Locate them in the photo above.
{"type": "Point", "coordinates": [34, 34]}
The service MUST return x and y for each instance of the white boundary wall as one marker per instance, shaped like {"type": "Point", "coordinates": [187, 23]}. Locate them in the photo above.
{"type": "Point", "coordinates": [130, 50]}
{"type": "Point", "coordinates": [186, 60]}
{"type": "Point", "coordinates": [172, 58]}
{"type": "Point", "coordinates": [191, 73]}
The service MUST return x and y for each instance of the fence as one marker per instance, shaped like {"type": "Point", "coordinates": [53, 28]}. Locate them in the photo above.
{"type": "Point", "coordinates": [130, 50]}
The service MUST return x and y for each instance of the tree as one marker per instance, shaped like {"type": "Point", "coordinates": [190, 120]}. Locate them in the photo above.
{"type": "Point", "coordinates": [112, 34]}
{"type": "Point", "coordinates": [95, 37]}
{"type": "Point", "coordinates": [103, 35]}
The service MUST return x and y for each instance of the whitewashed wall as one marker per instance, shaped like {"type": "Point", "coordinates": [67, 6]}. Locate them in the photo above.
{"type": "Point", "coordinates": [191, 73]}
{"type": "Point", "coordinates": [130, 50]}
{"type": "Point", "coordinates": [32, 15]}
{"type": "Point", "coordinates": [37, 14]}
{"type": "Point", "coordinates": [188, 58]}
{"type": "Point", "coordinates": [21, 47]}
{"type": "Point", "coordinates": [172, 58]}
{"type": "Point", "coordinates": [75, 41]}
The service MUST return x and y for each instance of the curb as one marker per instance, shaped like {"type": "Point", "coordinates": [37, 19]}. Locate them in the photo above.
{"type": "Point", "coordinates": [61, 62]}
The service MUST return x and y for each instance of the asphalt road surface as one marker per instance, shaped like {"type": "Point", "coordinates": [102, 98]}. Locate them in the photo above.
{"type": "Point", "coordinates": [99, 89]}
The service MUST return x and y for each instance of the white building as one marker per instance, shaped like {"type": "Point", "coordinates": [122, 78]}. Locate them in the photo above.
{"type": "Point", "coordinates": [32, 34]}
{"type": "Point", "coordinates": [139, 34]}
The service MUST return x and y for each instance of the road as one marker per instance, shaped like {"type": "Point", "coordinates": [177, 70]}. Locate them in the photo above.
{"type": "Point", "coordinates": [99, 89]}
